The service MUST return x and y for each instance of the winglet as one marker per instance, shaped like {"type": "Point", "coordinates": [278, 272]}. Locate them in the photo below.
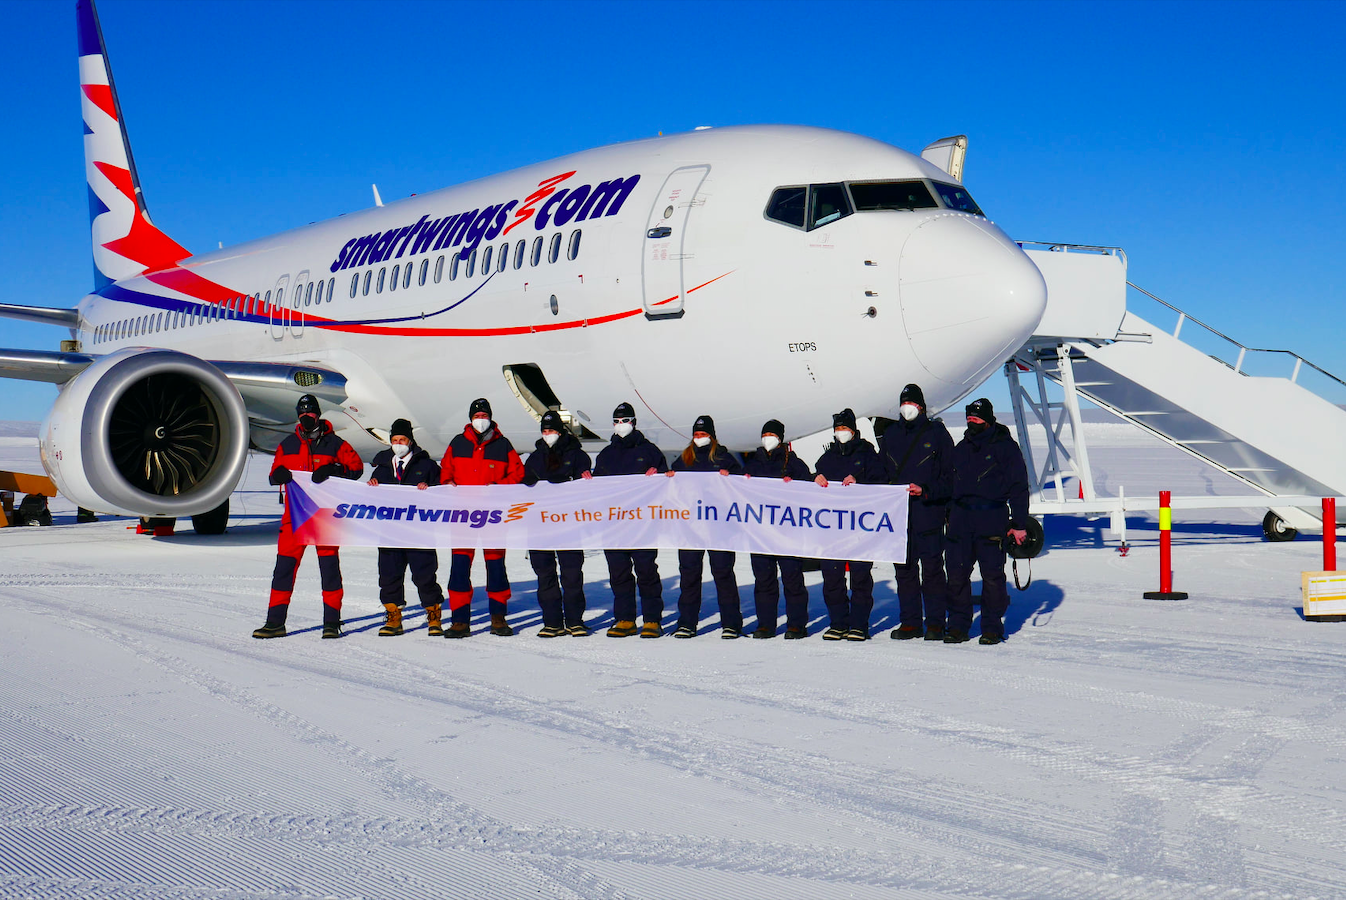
{"type": "Point", "coordinates": [125, 241]}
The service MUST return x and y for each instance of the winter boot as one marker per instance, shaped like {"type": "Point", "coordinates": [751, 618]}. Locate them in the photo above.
{"type": "Point", "coordinates": [729, 634]}
{"type": "Point", "coordinates": [955, 636]}
{"type": "Point", "coordinates": [499, 627]}
{"type": "Point", "coordinates": [652, 629]}
{"type": "Point", "coordinates": [393, 626]}
{"type": "Point", "coordinates": [331, 631]}
{"type": "Point", "coordinates": [458, 630]}
{"type": "Point", "coordinates": [579, 629]}
{"type": "Point", "coordinates": [796, 633]}
{"type": "Point", "coordinates": [685, 631]}
{"type": "Point", "coordinates": [834, 634]}
{"type": "Point", "coordinates": [934, 633]}
{"type": "Point", "coordinates": [763, 633]}
{"type": "Point", "coordinates": [906, 632]}
{"type": "Point", "coordinates": [990, 639]}
{"type": "Point", "coordinates": [433, 621]}
{"type": "Point", "coordinates": [858, 634]}
{"type": "Point", "coordinates": [623, 628]}
{"type": "Point", "coordinates": [270, 631]}
{"type": "Point", "coordinates": [551, 631]}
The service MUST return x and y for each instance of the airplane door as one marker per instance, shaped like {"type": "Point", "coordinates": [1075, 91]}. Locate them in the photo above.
{"type": "Point", "coordinates": [279, 313]}
{"type": "Point", "coordinates": [666, 243]}
{"type": "Point", "coordinates": [297, 296]}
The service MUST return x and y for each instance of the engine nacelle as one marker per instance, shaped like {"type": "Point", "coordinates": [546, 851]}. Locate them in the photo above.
{"type": "Point", "coordinates": [147, 433]}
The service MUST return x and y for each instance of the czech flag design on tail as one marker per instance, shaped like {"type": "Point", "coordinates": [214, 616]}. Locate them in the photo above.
{"type": "Point", "coordinates": [125, 241]}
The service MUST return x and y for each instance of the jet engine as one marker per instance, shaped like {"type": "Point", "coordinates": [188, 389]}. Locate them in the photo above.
{"type": "Point", "coordinates": [147, 433]}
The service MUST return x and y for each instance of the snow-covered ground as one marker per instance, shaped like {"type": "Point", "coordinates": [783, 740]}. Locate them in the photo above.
{"type": "Point", "coordinates": [1114, 747]}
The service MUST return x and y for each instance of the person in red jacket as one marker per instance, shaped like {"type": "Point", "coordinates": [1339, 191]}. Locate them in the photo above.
{"type": "Point", "coordinates": [315, 448]}
{"type": "Point", "coordinates": [480, 455]}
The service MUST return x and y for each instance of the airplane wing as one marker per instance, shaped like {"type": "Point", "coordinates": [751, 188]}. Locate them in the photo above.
{"type": "Point", "coordinates": [269, 390]}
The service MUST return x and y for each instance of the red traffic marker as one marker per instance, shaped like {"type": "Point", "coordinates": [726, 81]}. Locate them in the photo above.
{"type": "Point", "coordinates": [1165, 591]}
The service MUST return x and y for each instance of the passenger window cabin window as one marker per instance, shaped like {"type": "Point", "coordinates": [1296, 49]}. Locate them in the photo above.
{"type": "Point", "coordinates": [958, 198]}
{"type": "Point", "coordinates": [317, 294]}
{"type": "Point", "coordinates": [406, 277]}
{"type": "Point", "coordinates": [554, 251]}
{"type": "Point", "coordinates": [519, 250]}
{"type": "Point", "coordinates": [159, 323]}
{"type": "Point", "coordinates": [439, 269]}
{"type": "Point", "coordinates": [383, 273]}
{"type": "Point", "coordinates": [787, 205]}
{"type": "Point", "coordinates": [331, 289]}
{"type": "Point", "coordinates": [453, 268]}
{"type": "Point", "coordinates": [425, 270]}
{"type": "Point", "coordinates": [471, 264]}
{"type": "Point", "coordinates": [827, 204]}
{"type": "Point", "coordinates": [369, 277]}
{"type": "Point", "coordinates": [308, 295]}
{"type": "Point", "coordinates": [355, 285]}
{"type": "Point", "coordinates": [486, 260]}
{"type": "Point", "coordinates": [875, 195]}
{"type": "Point", "coordinates": [574, 249]}
{"type": "Point", "coordinates": [397, 272]}
{"type": "Point", "coordinates": [503, 253]}
{"type": "Point", "coordinates": [537, 251]}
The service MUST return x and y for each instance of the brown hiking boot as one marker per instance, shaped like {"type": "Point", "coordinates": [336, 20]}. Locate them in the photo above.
{"type": "Point", "coordinates": [434, 625]}
{"type": "Point", "coordinates": [624, 628]}
{"type": "Point", "coordinates": [393, 626]}
{"type": "Point", "coordinates": [458, 630]}
{"type": "Point", "coordinates": [651, 629]}
{"type": "Point", "coordinates": [500, 627]}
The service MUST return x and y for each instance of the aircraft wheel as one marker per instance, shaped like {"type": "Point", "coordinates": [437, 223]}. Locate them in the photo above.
{"type": "Point", "coordinates": [212, 522]}
{"type": "Point", "coordinates": [1275, 529]}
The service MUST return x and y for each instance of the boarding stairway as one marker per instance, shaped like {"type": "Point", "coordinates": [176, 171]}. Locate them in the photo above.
{"type": "Point", "coordinates": [1269, 418]}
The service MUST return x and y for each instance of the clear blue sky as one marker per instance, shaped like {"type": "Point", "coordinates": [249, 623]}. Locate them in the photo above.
{"type": "Point", "coordinates": [1206, 139]}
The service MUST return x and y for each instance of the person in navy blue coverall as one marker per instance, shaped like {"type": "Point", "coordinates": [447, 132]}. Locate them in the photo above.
{"type": "Point", "coordinates": [630, 453]}
{"type": "Point", "coordinates": [558, 458]}
{"type": "Point", "coordinates": [917, 450]}
{"type": "Point", "coordinates": [990, 507]}
{"type": "Point", "coordinates": [404, 462]}
{"type": "Point", "coordinates": [850, 459]}
{"type": "Point", "coordinates": [704, 454]}
{"type": "Point", "coordinates": [775, 459]}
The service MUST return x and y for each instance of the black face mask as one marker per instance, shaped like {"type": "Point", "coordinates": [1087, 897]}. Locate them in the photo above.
{"type": "Point", "coordinates": [976, 427]}
{"type": "Point", "coordinates": [309, 423]}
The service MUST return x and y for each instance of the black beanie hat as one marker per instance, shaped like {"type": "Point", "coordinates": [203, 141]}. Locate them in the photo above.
{"type": "Point", "coordinates": [704, 423]}
{"type": "Point", "coordinates": [308, 404]}
{"type": "Point", "coordinates": [982, 409]}
{"type": "Point", "coordinates": [624, 411]}
{"type": "Point", "coordinates": [774, 426]}
{"type": "Point", "coordinates": [551, 421]}
{"type": "Point", "coordinates": [912, 393]}
{"type": "Point", "coordinates": [846, 417]}
{"type": "Point", "coordinates": [480, 405]}
{"type": "Point", "coordinates": [402, 427]}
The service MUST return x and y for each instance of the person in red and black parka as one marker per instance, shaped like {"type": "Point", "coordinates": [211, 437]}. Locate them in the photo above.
{"type": "Point", "coordinates": [480, 455]}
{"type": "Point", "coordinates": [405, 463]}
{"type": "Point", "coordinates": [558, 458]}
{"type": "Point", "coordinates": [315, 448]}
{"type": "Point", "coordinates": [705, 454]}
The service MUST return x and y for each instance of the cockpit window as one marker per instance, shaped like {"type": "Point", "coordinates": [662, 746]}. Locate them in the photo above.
{"type": "Point", "coordinates": [827, 203]}
{"type": "Point", "coordinates": [958, 198]}
{"type": "Point", "coordinates": [787, 205]}
{"type": "Point", "coordinates": [873, 195]}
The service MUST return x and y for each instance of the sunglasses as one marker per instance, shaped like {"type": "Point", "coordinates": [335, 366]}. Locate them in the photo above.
{"type": "Point", "coordinates": [622, 421]}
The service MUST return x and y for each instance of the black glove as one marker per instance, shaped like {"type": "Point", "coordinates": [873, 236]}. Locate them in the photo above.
{"type": "Point", "coordinates": [322, 473]}
{"type": "Point", "coordinates": [281, 475]}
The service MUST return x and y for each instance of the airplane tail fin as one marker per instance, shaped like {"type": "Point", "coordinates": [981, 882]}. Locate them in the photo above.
{"type": "Point", "coordinates": [125, 241]}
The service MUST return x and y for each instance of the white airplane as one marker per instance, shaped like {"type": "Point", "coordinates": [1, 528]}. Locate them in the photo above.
{"type": "Point", "coordinates": [747, 272]}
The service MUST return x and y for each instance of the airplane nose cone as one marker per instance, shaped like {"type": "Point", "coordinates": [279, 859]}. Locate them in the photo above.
{"type": "Point", "coordinates": [970, 296]}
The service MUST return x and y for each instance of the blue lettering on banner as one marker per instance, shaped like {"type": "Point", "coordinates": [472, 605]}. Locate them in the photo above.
{"type": "Point", "coordinates": [469, 229]}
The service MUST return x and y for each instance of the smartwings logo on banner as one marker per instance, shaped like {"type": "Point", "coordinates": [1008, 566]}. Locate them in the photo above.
{"type": "Point", "coordinates": [473, 518]}
{"type": "Point", "coordinates": [559, 206]}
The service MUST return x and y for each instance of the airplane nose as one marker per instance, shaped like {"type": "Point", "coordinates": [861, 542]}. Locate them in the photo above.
{"type": "Point", "coordinates": [970, 296]}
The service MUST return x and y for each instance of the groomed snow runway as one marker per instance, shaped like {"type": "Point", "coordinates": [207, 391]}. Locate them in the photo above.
{"type": "Point", "coordinates": [1113, 748]}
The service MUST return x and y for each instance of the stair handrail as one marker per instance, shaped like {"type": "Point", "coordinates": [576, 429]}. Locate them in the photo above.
{"type": "Point", "coordinates": [1243, 349]}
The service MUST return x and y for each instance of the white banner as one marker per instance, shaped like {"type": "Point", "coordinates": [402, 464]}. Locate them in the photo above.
{"type": "Point", "coordinates": [691, 510]}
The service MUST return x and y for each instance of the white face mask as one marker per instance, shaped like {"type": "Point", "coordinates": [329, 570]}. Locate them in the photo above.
{"type": "Point", "coordinates": [481, 425]}
{"type": "Point", "coordinates": [401, 450]}
{"type": "Point", "coordinates": [622, 429]}
{"type": "Point", "coordinates": [701, 442]}
{"type": "Point", "coordinates": [843, 435]}
{"type": "Point", "coordinates": [770, 442]}
{"type": "Point", "coordinates": [910, 411]}
{"type": "Point", "coordinates": [550, 439]}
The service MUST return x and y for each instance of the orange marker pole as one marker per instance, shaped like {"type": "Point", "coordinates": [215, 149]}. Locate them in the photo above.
{"type": "Point", "coordinates": [1329, 534]}
{"type": "Point", "coordinates": [1165, 591]}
